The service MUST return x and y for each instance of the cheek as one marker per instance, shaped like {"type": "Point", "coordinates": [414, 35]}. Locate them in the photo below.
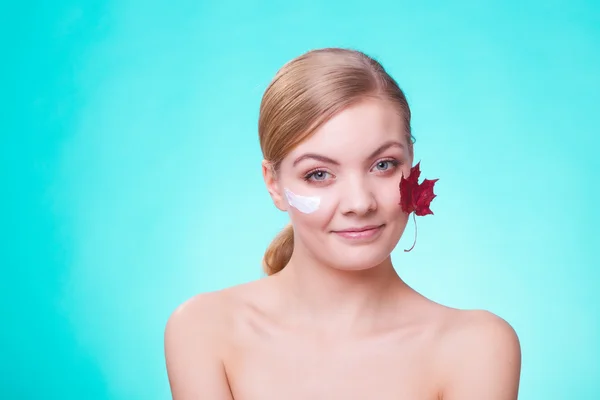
{"type": "Point", "coordinates": [315, 220]}
{"type": "Point", "coordinates": [388, 196]}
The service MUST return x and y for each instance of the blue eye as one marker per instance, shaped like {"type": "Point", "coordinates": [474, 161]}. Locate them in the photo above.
{"type": "Point", "coordinates": [385, 165]}
{"type": "Point", "coordinates": [317, 176]}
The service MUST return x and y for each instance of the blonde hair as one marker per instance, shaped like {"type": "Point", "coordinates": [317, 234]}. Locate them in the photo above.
{"type": "Point", "coordinates": [304, 94]}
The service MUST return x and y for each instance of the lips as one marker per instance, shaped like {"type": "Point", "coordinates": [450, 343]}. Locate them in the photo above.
{"type": "Point", "coordinates": [362, 229]}
{"type": "Point", "coordinates": [361, 233]}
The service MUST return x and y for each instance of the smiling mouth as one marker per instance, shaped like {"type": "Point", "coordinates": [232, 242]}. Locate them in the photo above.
{"type": "Point", "coordinates": [365, 232]}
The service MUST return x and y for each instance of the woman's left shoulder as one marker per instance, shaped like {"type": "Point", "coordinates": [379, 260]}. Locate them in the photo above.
{"type": "Point", "coordinates": [479, 348]}
{"type": "Point", "coordinates": [480, 328]}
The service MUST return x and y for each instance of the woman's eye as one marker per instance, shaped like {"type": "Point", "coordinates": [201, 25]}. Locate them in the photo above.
{"type": "Point", "coordinates": [384, 165]}
{"type": "Point", "coordinates": [317, 176]}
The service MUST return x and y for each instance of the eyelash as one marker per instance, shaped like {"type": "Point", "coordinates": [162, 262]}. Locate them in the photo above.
{"type": "Point", "coordinates": [395, 163]}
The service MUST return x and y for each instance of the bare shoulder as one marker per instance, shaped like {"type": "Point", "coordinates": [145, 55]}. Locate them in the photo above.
{"type": "Point", "coordinates": [194, 342]}
{"type": "Point", "coordinates": [207, 317]}
{"type": "Point", "coordinates": [479, 328]}
{"type": "Point", "coordinates": [199, 312]}
{"type": "Point", "coordinates": [481, 356]}
{"type": "Point", "coordinates": [208, 313]}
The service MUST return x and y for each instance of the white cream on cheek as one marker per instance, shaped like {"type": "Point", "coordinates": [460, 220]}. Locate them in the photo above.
{"type": "Point", "coordinates": [304, 204]}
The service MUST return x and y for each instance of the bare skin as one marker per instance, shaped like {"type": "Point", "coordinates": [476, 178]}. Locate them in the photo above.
{"type": "Point", "coordinates": [338, 322]}
{"type": "Point", "coordinates": [243, 343]}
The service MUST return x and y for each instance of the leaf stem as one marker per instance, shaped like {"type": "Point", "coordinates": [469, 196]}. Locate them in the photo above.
{"type": "Point", "coordinates": [415, 242]}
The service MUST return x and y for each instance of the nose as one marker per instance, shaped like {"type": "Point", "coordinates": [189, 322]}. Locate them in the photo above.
{"type": "Point", "coordinates": [358, 198]}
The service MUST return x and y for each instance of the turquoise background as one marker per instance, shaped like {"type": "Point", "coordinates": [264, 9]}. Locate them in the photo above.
{"type": "Point", "coordinates": [130, 172]}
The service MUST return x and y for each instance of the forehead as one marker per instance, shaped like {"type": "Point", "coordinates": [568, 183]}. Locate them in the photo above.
{"type": "Point", "coordinates": [356, 131]}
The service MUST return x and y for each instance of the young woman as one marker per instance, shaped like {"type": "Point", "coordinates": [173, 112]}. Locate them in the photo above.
{"type": "Point", "coordinates": [333, 320]}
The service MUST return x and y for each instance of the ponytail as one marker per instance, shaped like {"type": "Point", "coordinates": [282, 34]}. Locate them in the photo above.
{"type": "Point", "coordinates": [279, 252]}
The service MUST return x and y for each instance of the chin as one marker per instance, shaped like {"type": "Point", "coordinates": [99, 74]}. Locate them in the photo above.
{"type": "Point", "coordinates": [353, 265]}
{"type": "Point", "coordinates": [358, 258]}
{"type": "Point", "coordinates": [357, 265]}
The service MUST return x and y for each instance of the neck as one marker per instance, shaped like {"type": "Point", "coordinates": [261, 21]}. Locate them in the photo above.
{"type": "Point", "coordinates": [321, 296]}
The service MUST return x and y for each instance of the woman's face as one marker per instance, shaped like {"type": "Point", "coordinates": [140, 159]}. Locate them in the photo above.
{"type": "Point", "coordinates": [353, 165]}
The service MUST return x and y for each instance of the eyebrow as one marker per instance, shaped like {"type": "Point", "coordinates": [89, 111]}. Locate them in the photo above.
{"type": "Point", "coordinates": [318, 157]}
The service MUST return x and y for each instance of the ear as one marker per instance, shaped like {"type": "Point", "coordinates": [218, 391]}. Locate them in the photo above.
{"type": "Point", "coordinates": [273, 186]}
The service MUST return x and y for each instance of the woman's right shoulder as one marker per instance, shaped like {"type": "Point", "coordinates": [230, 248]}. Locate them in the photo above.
{"type": "Point", "coordinates": [209, 312]}
{"type": "Point", "coordinates": [203, 312]}
{"type": "Point", "coordinates": [196, 339]}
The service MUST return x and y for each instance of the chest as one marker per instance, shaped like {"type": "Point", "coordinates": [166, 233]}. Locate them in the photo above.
{"type": "Point", "coordinates": [296, 368]}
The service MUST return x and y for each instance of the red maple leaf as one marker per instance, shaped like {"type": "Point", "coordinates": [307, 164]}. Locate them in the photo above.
{"type": "Point", "coordinates": [414, 197]}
